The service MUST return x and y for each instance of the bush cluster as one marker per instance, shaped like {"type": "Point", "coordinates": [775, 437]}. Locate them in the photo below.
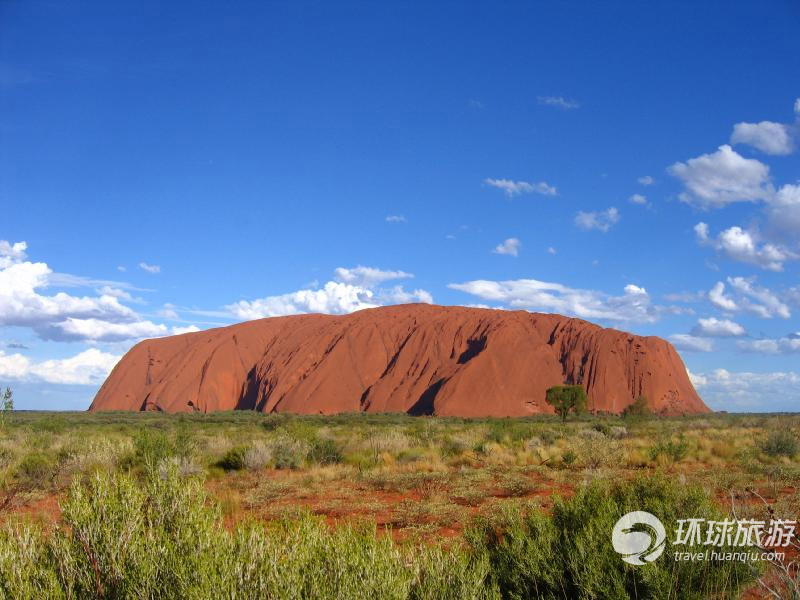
{"type": "Point", "coordinates": [160, 536]}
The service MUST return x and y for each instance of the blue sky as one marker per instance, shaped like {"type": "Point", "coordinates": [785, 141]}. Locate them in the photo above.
{"type": "Point", "coordinates": [179, 166]}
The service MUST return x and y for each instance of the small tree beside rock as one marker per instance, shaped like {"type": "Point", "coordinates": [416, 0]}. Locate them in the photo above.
{"type": "Point", "coordinates": [567, 398]}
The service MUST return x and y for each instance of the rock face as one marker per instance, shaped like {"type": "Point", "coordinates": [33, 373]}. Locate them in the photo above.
{"type": "Point", "coordinates": [417, 358]}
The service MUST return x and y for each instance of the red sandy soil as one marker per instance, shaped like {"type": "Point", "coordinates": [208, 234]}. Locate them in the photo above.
{"type": "Point", "coordinates": [416, 358]}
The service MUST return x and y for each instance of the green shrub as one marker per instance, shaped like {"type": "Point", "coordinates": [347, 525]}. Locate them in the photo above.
{"type": "Point", "coordinates": [150, 447]}
{"type": "Point", "coordinates": [36, 469]}
{"type": "Point", "coordinates": [450, 447]}
{"type": "Point", "coordinates": [289, 452]}
{"type": "Point", "coordinates": [521, 550]}
{"type": "Point", "coordinates": [639, 408]}
{"type": "Point", "coordinates": [603, 428]}
{"type": "Point", "coordinates": [325, 451]}
{"type": "Point", "coordinates": [780, 442]}
{"type": "Point", "coordinates": [234, 459]}
{"type": "Point", "coordinates": [160, 536]}
{"type": "Point", "coordinates": [592, 569]}
{"type": "Point", "coordinates": [570, 555]}
{"type": "Point", "coordinates": [675, 450]}
{"type": "Point", "coordinates": [451, 575]}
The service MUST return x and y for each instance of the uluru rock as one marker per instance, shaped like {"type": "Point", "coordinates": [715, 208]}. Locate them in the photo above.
{"type": "Point", "coordinates": [417, 358]}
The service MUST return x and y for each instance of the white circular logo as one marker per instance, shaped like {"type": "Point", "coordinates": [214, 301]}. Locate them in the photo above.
{"type": "Point", "coordinates": [639, 547]}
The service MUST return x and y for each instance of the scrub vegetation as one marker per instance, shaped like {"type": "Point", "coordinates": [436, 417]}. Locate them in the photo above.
{"type": "Point", "coordinates": [243, 505]}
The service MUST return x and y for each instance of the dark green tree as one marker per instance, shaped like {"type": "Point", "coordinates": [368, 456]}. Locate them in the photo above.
{"type": "Point", "coordinates": [567, 398]}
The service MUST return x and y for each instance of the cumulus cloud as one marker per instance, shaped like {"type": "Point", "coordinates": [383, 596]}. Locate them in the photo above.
{"type": "Point", "coordinates": [745, 246]}
{"type": "Point", "coordinates": [558, 102]}
{"type": "Point", "coordinates": [718, 298]}
{"type": "Point", "coordinates": [767, 136]}
{"type": "Point", "coordinates": [396, 219]}
{"type": "Point", "coordinates": [531, 294]}
{"type": "Point", "coordinates": [355, 289]}
{"type": "Point", "coordinates": [783, 210]}
{"type": "Point", "coordinates": [397, 295]}
{"type": "Point", "coordinates": [787, 344]}
{"type": "Point", "coordinates": [757, 299]}
{"type": "Point", "coordinates": [517, 188]}
{"type": "Point", "coordinates": [62, 316]}
{"type": "Point", "coordinates": [333, 298]}
{"type": "Point", "coordinates": [510, 246]}
{"type": "Point", "coordinates": [22, 305]}
{"type": "Point", "coordinates": [149, 268]}
{"type": "Point", "coordinates": [368, 276]}
{"type": "Point", "coordinates": [638, 199]}
{"type": "Point", "coordinates": [749, 297]}
{"type": "Point", "coordinates": [723, 389]}
{"type": "Point", "coordinates": [691, 343]}
{"type": "Point", "coordinates": [646, 180]}
{"type": "Point", "coordinates": [717, 179]}
{"type": "Point", "coordinates": [98, 330]}
{"type": "Point", "coordinates": [599, 220]}
{"type": "Point", "coordinates": [89, 367]}
{"type": "Point", "coordinates": [713, 327]}
{"type": "Point", "coordinates": [10, 253]}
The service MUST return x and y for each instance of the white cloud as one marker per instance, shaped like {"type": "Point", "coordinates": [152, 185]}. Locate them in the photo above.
{"type": "Point", "coordinates": [748, 298]}
{"type": "Point", "coordinates": [397, 295]}
{"type": "Point", "coordinates": [89, 367]}
{"type": "Point", "coordinates": [108, 290]}
{"type": "Point", "coordinates": [714, 180]}
{"type": "Point", "coordinates": [788, 344]}
{"type": "Point", "coordinates": [61, 316]}
{"type": "Point", "coordinates": [150, 268]}
{"type": "Point", "coordinates": [187, 329]}
{"type": "Point", "coordinates": [797, 106]}
{"type": "Point", "coordinates": [21, 304]}
{"type": "Point", "coordinates": [600, 220]}
{"type": "Point", "coordinates": [510, 246]}
{"type": "Point", "coordinates": [646, 180]}
{"type": "Point", "coordinates": [697, 379]}
{"type": "Point", "coordinates": [767, 136]}
{"type": "Point", "coordinates": [368, 276]}
{"type": "Point", "coordinates": [718, 298]}
{"type": "Point", "coordinates": [745, 246]}
{"type": "Point", "coordinates": [638, 199]}
{"type": "Point", "coordinates": [713, 327]}
{"type": "Point", "coordinates": [690, 343]}
{"type": "Point", "coordinates": [531, 294]}
{"type": "Point", "coordinates": [558, 102]}
{"type": "Point", "coordinates": [551, 250]}
{"type": "Point", "coordinates": [333, 298]}
{"type": "Point", "coordinates": [723, 389]}
{"type": "Point", "coordinates": [783, 210]}
{"type": "Point", "coordinates": [98, 330]}
{"type": "Point", "coordinates": [356, 289]}
{"type": "Point", "coordinates": [766, 304]}
{"type": "Point", "coordinates": [168, 312]}
{"type": "Point", "coordinates": [10, 253]}
{"type": "Point", "coordinates": [396, 219]}
{"type": "Point", "coordinates": [634, 289]}
{"type": "Point", "coordinates": [516, 188]}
